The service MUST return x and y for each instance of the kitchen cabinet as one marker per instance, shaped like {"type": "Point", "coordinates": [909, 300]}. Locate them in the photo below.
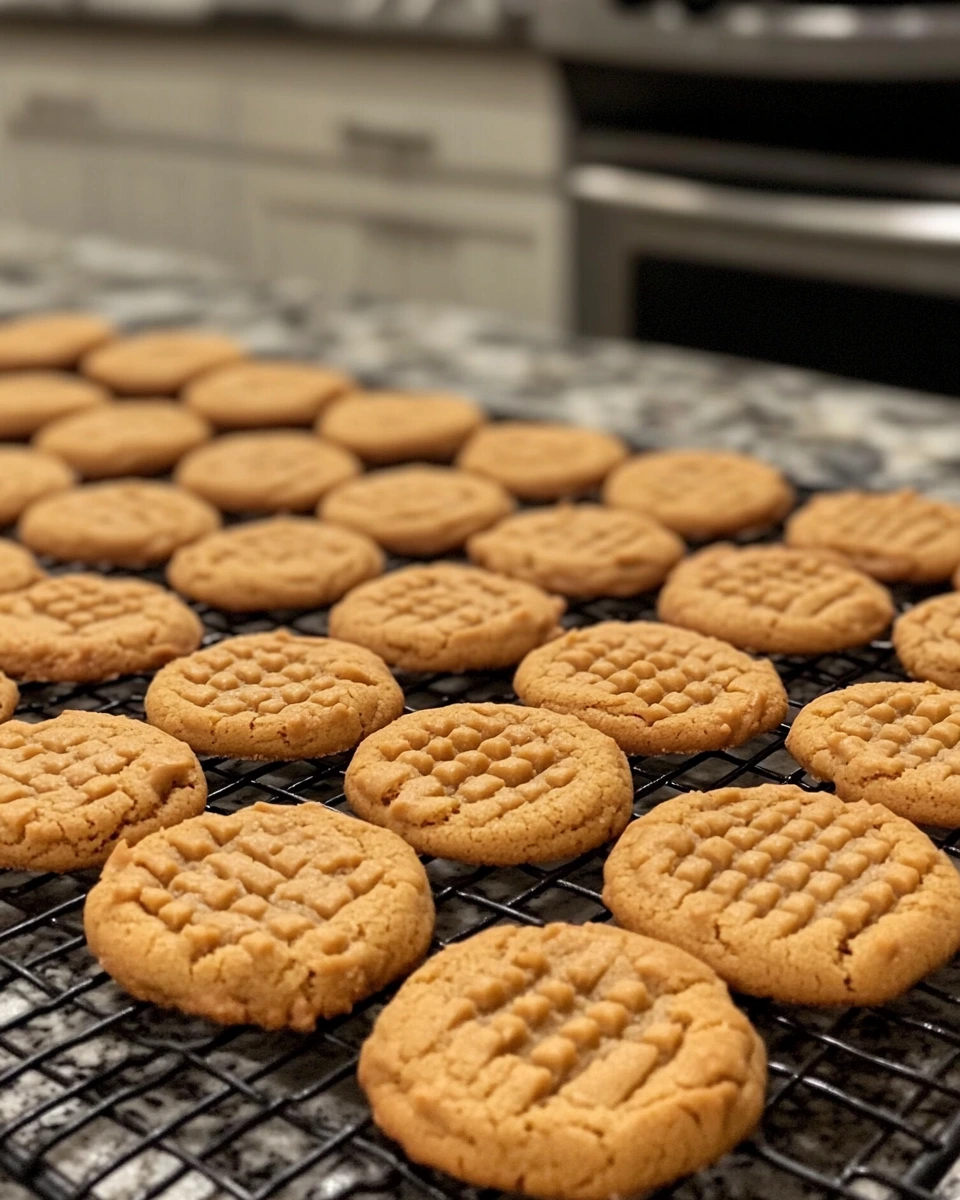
{"type": "Point", "coordinates": [428, 172]}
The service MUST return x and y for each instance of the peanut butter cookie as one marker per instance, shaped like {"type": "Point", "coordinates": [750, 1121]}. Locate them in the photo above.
{"type": "Point", "coordinates": [581, 550]}
{"type": "Point", "coordinates": [282, 562]}
{"type": "Point", "coordinates": [18, 567]}
{"type": "Point", "coordinates": [701, 494]}
{"type": "Point", "coordinates": [492, 783]}
{"type": "Point", "coordinates": [653, 688]}
{"type": "Point", "coordinates": [776, 599]}
{"type": "Point", "coordinates": [890, 535]}
{"type": "Point", "coordinates": [255, 395]}
{"type": "Point", "coordinates": [159, 363]}
{"type": "Point", "coordinates": [50, 339]}
{"type": "Point", "coordinates": [74, 787]}
{"type": "Point", "coordinates": [541, 461]}
{"type": "Point", "coordinates": [272, 916]}
{"type": "Point", "coordinates": [274, 696]}
{"type": "Point", "coordinates": [417, 510]}
{"type": "Point", "coordinates": [9, 696]}
{"type": "Point", "coordinates": [444, 617]}
{"type": "Point", "coordinates": [789, 894]}
{"type": "Point", "coordinates": [572, 1062]}
{"type": "Point", "coordinates": [29, 399]}
{"type": "Point", "coordinates": [395, 427]}
{"type": "Point", "coordinates": [84, 628]}
{"type": "Point", "coordinates": [127, 523]}
{"type": "Point", "coordinates": [927, 640]}
{"type": "Point", "coordinates": [136, 437]}
{"type": "Point", "coordinates": [25, 476]}
{"type": "Point", "coordinates": [269, 471]}
{"type": "Point", "coordinates": [892, 743]}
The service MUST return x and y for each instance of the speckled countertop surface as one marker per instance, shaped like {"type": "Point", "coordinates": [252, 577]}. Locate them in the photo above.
{"type": "Point", "coordinates": [823, 431]}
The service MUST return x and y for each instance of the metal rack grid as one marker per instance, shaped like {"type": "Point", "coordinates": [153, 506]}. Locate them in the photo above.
{"type": "Point", "coordinates": [102, 1096]}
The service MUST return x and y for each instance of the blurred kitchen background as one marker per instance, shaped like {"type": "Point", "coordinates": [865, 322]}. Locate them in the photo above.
{"type": "Point", "coordinates": [766, 178]}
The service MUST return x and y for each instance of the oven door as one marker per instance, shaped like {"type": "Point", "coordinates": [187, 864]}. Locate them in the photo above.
{"type": "Point", "coordinates": [856, 286]}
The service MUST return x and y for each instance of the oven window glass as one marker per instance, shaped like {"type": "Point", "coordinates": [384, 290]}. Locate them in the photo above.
{"type": "Point", "coordinates": [868, 333]}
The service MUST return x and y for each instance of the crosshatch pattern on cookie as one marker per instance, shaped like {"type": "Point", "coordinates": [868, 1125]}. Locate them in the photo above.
{"type": "Point", "coordinates": [927, 640]}
{"type": "Point", "coordinates": [493, 783]}
{"type": "Point", "coordinates": [537, 1030]}
{"type": "Point", "coordinates": [269, 893]}
{"type": "Point", "coordinates": [778, 890]}
{"type": "Point", "coordinates": [72, 786]}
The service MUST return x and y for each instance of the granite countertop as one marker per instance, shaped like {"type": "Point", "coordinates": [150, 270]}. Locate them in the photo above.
{"type": "Point", "coordinates": [823, 431]}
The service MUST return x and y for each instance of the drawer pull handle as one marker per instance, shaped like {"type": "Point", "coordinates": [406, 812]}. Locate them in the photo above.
{"type": "Point", "coordinates": [398, 145]}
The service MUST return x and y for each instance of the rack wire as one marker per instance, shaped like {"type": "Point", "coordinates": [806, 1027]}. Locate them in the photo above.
{"type": "Point", "coordinates": [108, 1098]}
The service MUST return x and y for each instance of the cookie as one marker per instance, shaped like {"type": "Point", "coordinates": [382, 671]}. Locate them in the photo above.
{"type": "Point", "coordinates": [417, 510]}
{"type": "Point", "coordinates": [29, 399]}
{"type": "Point", "coordinates": [889, 743]}
{"type": "Point", "coordinates": [50, 339]}
{"type": "Point", "coordinates": [281, 562]}
{"type": "Point", "coordinates": [789, 894]}
{"type": "Point", "coordinates": [492, 783]}
{"type": "Point", "coordinates": [255, 395]}
{"type": "Point", "coordinates": [127, 523]}
{"type": "Point", "coordinates": [274, 696]}
{"type": "Point", "coordinates": [159, 363]}
{"type": "Point", "coordinates": [136, 437]}
{"type": "Point", "coordinates": [577, 1062]}
{"type": "Point", "coordinates": [273, 916]}
{"type": "Point", "coordinates": [84, 628]}
{"type": "Point", "coordinates": [396, 427]}
{"type": "Point", "coordinates": [542, 461]}
{"type": "Point", "coordinates": [890, 535]}
{"type": "Point", "coordinates": [272, 471]}
{"type": "Point", "coordinates": [701, 494]}
{"type": "Point", "coordinates": [18, 567]}
{"type": "Point", "coordinates": [444, 617]}
{"type": "Point", "coordinates": [927, 640]}
{"type": "Point", "coordinates": [581, 550]}
{"type": "Point", "coordinates": [9, 697]}
{"type": "Point", "coordinates": [25, 476]}
{"type": "Point", "coordinates": [653, 688]}
{"type": "Point", "coordinates": [776, 599]}
{"type": "Point", "coordinates": [73, 788]}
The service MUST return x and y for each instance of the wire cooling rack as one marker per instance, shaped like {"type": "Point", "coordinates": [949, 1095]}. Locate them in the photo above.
{"type": "Point", "coordinates": [102, 1096]}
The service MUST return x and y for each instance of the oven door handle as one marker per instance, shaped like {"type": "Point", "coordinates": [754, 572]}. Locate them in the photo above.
{"type": "Point", "coordinates": [903, 222]}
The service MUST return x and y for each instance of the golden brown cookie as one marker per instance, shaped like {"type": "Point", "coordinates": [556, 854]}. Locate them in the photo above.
{"type": "Point", "coordinates": [396, 427]}
{"type": "Point", "coordinates": [927, 640]}
{"type": "Point", "coordinates": [571, 1062]}
{"type": "Point", "coordinates": [255, 395]}
{"type": "Point", "coordinates": [274, 696]}
{"type": "Point", "coordinates": [891, 743]}
{"type": "Point", "coordinates": [444, 617]}
{"type": "Point", "coordinates": [653, 688]}
{"type": "Point", "coordinates": [9, 696]}
{"type": "Point", "coordinates": [72, 788]}
{"type": "Point", "coordinates": [272, 916]}
{"type": "Point", "coordinates": [776, 599]}
{"type": "Point", "coordinates": [581, 550]}
{"type": "Point", "coordinates": [269, 471]}
{"type": "Point", "coordinates": [159, 363]}
{"type": "Point", "coordinates": [282, 562]}
{"type": "Point", "coordinates": [542, 461]}
{"type": "Point", "coordinates": [56, 339]}
{"type": "Point", "coordinates": [127, 523]}
{"type": "Point", "coordinates": [789, 894]}
{"type": "Point", "coordinates": [135, 437]}
{"type": "Point", "coordinates": [890, 535]}
{"type": "Point", "coordinates": [417, 510]}
{"type": "Point", "coordinates": [492, 783]}
{"type": "Point", "coordinates": [25, 476]}
{"type": "Point", "coordinates": [701, 494]}
{"type": "Point", "coordinates": [29, 399]}
{"type": "Point", "coordinates": [86, 627]}
{"type": "Point", "coordinates": [18, 567]}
